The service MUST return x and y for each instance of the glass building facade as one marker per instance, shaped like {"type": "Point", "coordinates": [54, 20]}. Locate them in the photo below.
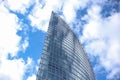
{"type": "Point", "coordinates": [63, 57]}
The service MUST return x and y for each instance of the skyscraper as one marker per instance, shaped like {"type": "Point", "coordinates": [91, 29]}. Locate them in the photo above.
{"type": "Point", "coordinates": [63, 57]}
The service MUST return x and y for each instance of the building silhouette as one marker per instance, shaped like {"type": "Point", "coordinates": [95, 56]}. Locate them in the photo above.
{"type": "Point", "coordinates": [63, 57]}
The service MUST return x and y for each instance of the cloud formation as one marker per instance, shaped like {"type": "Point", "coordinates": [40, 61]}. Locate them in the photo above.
{"type": "Point", "coordinates": [8, 29]}
{"type": "Point", "coordinates": [33, 77]}
{"type": "Point", "coordinates": [18, 6]}
{"type": "Point", "coordinates": [40, 15]}
{"type": "Point", "coordinates": [101, 36]}
{"type": "Point", "coordinates": [14, 68]}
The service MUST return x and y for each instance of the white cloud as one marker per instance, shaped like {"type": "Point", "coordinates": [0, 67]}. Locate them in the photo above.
{"type": "Point", "coordinates": [91, 29]}
{"type": "Point", "coordinates": [18, 5]}
{"type": "Point", "coordinates": [9, 45]}
{"type": "Point", "coordinates": [114, 75]}
{"type": "Point", "coordinates": [33, 77]}
{"type": "Point", "coordinates": [4, 77]}
{"type": "Point", "coordinates": [96, 47]}
{"type": "Point", "coordinates": [30, 66]}
{"type": "Point", "coordinates": [40, 15]}
{"type": "Point", "coordinates": [70, 7]}
{"type": "Point", "coordinates": [12, 69]}
{"type": "Point", "coordinates": [9, 40]}
{"type": "Point", "coordinates": [102, 37]}
{"type": "Point", "coordinates": [24, 45]}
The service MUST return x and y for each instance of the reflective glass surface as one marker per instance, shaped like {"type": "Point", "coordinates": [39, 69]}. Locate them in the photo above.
{"type": "Point", "coordinates": [63, 57]}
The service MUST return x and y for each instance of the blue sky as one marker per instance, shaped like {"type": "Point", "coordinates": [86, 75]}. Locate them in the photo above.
{"type": "Point", "coordinates": [23, 26]}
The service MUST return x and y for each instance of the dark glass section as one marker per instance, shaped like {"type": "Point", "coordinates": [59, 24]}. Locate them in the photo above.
{"type": "Point", "coordinates": [63, 57]}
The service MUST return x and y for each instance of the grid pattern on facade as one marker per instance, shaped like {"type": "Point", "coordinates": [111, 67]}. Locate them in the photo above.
{"type": "Point", "coordinates": [63, 57]}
